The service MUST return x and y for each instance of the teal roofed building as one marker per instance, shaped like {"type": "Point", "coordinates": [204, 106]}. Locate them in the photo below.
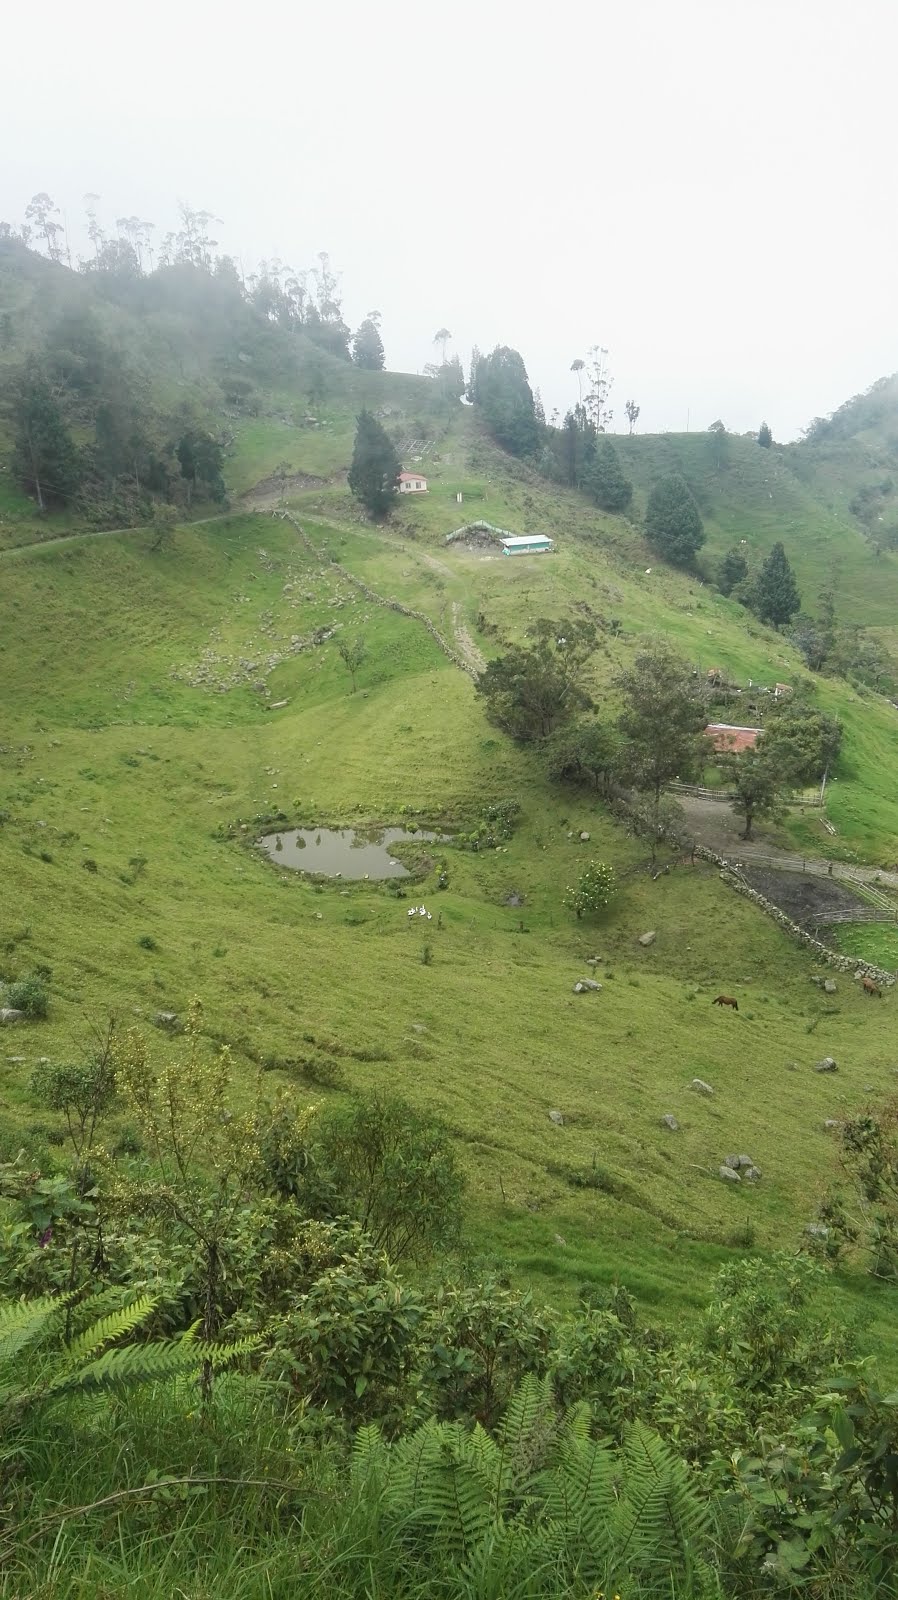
{"type": "Point", "coordinates": [527, 544]}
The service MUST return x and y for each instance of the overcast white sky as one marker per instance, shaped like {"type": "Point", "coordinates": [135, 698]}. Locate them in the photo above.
{"type": "Point", "coordinates": [706, 187]}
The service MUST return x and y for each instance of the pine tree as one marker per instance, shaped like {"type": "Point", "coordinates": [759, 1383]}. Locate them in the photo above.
{"type": "Point", "coordinates": [605, 480]}
{"type": "Point", "coordinates": [367, 346]}
{"type": "Point", "coordinates": [375, 468]}
{"type": "Point", "coordinates": [776, 598]}
{"type": "Point", "coordinates": [733, 570]}
{"type": "Point", "coordinates": [502, 390]}
{"type": "Point", "coordinates": [45, 456]}
{"type": "Point", "coordinates": [765, 437]}
{"type": "Point", "coordinates": [672, 521]}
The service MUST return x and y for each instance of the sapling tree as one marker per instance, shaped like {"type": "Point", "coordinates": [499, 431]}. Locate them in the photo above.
{"type": "Point", "coordinates": [352, 653]}
{"type": "Point", "coordinates": [593, 891]}
{"type": "Point", "coordinates": [203, 1153]}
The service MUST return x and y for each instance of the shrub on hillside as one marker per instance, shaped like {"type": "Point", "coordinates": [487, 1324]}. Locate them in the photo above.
{"type": "Point", "coordinates": [497, 823]}
{"type": "Point", "coordinates": [29, 995]}
{"type": "Point", "coordinates": [594, 890]}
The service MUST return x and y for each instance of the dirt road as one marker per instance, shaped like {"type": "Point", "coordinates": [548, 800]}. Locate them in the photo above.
{"type": "Point", "coordinates": [714, 824]}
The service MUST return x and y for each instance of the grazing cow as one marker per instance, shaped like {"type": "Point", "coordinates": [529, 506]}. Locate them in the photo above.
{"type": "Point", "coordinates": [726, 1000]}
{"type": "Point", "coordinates": [869, 987]}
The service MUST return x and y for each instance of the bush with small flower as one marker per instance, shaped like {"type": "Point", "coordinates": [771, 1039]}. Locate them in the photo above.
{"type": "Point", "coordinates": [596, 887]}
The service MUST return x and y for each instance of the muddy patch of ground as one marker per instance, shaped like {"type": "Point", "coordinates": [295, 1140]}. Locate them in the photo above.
{"type": "Point", "coordinates": [807, 900]}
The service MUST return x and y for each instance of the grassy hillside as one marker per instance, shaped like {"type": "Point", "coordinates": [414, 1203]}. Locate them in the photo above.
{"type": "Point", "coordinates": [135, 742]}
{"type": "Point", "coordinates": [759, 496]}
{"type": "Point", "coordinates": [141, 755]}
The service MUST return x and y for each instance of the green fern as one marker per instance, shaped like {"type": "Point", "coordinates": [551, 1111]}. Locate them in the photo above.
{"type": "Point", "coordinates": [543, 1493]}
{"type": "Point", "coordinates": [37, 1364]}
{"type": "Point", "coordinates": [103, 1331]}
{"type": "Point", "coordinates": [21, 1322]}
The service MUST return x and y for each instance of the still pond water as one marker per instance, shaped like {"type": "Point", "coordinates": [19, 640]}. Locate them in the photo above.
{"type": "Point", "coordinates": [342, 852]}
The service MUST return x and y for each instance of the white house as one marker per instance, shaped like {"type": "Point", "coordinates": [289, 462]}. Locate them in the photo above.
{"type": "Point", "coordinates": [412, 483]}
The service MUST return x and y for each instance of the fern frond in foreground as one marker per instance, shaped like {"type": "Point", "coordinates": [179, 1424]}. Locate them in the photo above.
{"type": "Point", "coordinates": [38, 1364]}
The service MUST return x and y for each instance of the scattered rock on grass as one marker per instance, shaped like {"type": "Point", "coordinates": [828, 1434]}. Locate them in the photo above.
{"type": "Point", "coordinates": [700, 1086]}
{"type": "Point", "coordinates": [647, 938]}
{"type": "Point", "coordinates": [826, 1065]}
{"type": "Point", "coordinates": [557, 1118]}
{"type": "Point", "coordinates": [831, 1123]}
{"type": "Point", "coordinates": [730, 1175]}
{"type": "Point", "coordinates": [10, 1014]}
{"type": "Point", "coordinates": [584, 838]}
{"type": "Point", "coordinates": [584, 985]}
{"type": "Point", "coordinates": [830, 986]}
{"type": "Point", "coordinates": [670, 1121]}
{"type": "Point", "coordinates": [169, 1020]}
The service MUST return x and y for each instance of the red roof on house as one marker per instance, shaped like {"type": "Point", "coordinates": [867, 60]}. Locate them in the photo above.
{"type": "Point", "coordinates": [412, 475]}
{"type": "Point", "coordinates": [731, 739]}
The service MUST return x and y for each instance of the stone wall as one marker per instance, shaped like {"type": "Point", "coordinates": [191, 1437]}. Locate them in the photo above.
{"type": "Point", "coordinates": [734, 878]}
{"type": "Point", "coordinates": [379, 599]}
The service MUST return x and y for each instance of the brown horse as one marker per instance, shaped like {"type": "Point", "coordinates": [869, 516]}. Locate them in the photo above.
{"type": "Point", "coordinates": [869, 987]}
{"type": "Point", "coordinates": [726, 1000]}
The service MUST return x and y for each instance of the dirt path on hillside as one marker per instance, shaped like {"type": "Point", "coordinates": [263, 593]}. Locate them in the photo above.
{"type": "Point", "coordinates": [99, 533]}
{"type": "Point", "coordinates": [464, 642]}
{"type": "Point", "coordinates": [716, 825]}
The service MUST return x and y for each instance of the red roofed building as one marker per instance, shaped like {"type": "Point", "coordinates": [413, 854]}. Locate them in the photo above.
{"type": "Point", "coordinates": [729, 740]}
{"type": "Point", "coordinates": [412, 483]}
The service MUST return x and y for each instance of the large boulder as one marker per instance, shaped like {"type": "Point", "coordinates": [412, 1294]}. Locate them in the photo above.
{"type": "Point", "coordinates": [730, 1175]}
{"type": "Point", "coordinates": [168, 1020]}
{"type": "Point", "coordinates": [10, 1014]}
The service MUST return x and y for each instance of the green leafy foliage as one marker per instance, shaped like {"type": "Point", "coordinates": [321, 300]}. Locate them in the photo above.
{"type": "Point", "coordinates": [594, 890]}
{"type": "Point", "coordinates": [587, 751]}
{"type": "Point", "coordinates": [757, 783]}
{"type": "Point", "coordinates": [29, 995]}
{"type": "Point", "coordinates": [495, 825]}
{"type": "Point", "coordinates": [765, 437]}
{"type": "Point", "coordinates": [201, 461]}
{"type": "Point", "coordinates": [673, 524]}
{"type": "Point", "coordinates": [374, 473]}
{"type": "Point", "coordinates": [799, 741]}
{"type": "Point", "coordinates": [662, 716]}
{"type": "Point", "coordinates": [394, 1171]}
{"type": "Point", "coordinates": [537, 687]}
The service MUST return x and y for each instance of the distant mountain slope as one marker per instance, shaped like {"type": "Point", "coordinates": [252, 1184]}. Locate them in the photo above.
{"type": "Point", "coordinates": [799, 494]}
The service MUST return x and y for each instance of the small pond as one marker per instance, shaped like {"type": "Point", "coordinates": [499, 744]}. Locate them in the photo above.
{"type": "Point", "coordinates": [343, 852]}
